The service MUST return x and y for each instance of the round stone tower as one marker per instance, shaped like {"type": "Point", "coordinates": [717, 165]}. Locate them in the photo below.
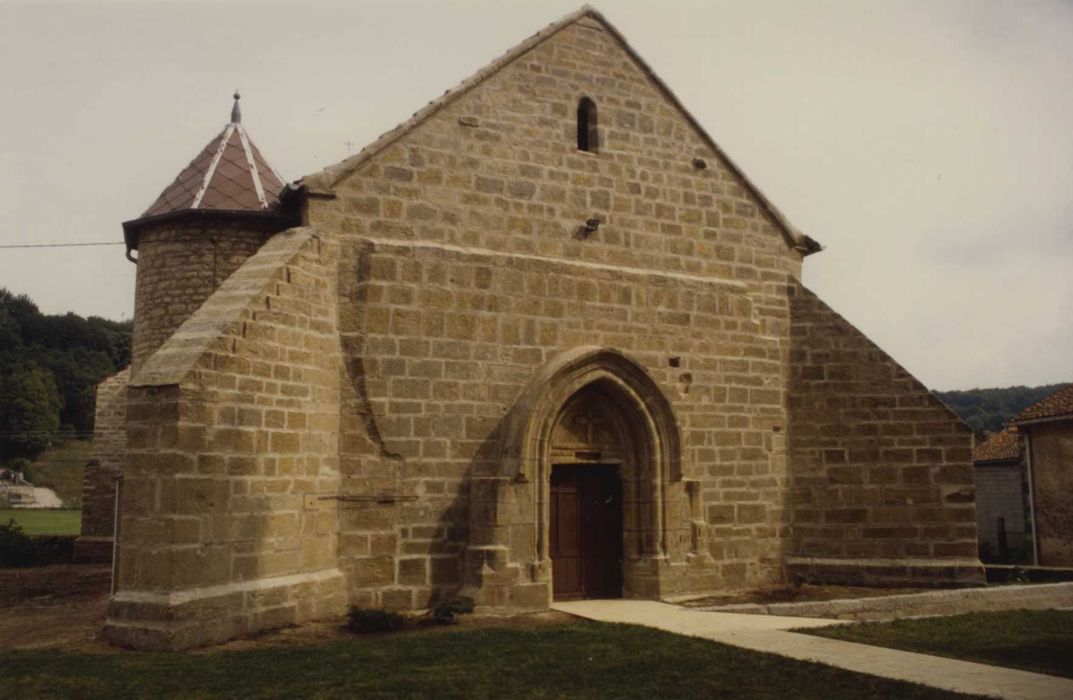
{"type": "Point", "coordinates": [201, 228]}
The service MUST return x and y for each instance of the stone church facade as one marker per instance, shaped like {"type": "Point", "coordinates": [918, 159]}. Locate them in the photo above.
{"type": "Point", "coordinates": [543, 340]}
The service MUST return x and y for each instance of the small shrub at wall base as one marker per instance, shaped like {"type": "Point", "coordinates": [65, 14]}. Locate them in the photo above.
{"type": "Point", "coordinates": [447, 611]}
{"type": "Point", "coordinates": [16, 547]}
{"type": "Point", "coordinates": [1018, 576]}
{"type": "Point", "coordinates": [366, 621]}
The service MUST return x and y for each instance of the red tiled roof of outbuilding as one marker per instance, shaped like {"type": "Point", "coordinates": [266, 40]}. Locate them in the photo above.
{"type": "Point", "coordinates": [1001, 447]}
{"type": "Point", "coordinates": [1057, 405]}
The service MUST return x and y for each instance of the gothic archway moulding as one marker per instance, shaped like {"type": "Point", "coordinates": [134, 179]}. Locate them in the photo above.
{"type": "Point", "coordinates": [528, 428]}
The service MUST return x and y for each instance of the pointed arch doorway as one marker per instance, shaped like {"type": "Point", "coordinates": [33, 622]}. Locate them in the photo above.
{"type": "Point", "coordinates": [589, 415]}
{"type": "Point", "coordinates": [586, 538]}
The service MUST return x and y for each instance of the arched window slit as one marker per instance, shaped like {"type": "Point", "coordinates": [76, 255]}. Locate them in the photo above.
{"type": "Point", "coordinates": [587, 133]}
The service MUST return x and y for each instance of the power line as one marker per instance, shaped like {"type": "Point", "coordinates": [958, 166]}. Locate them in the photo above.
{"type": "Point", "coordinates": [56, 433]}
{"type": "Point", "coordinates": [59, 245]}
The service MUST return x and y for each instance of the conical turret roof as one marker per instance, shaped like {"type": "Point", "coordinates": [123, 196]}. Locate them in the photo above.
{"type": "Point", "coordinates": [229, 174]}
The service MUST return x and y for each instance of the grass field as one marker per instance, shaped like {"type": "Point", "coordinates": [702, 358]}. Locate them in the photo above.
{"type": "Point", "coordinates": [1033, 640]}
{"type": "Point", "coordinates": [581, 660]}
{"type": "Point", "coordinates": [45, 522]}
{"type": "Point", "coordinates": [60, 468]}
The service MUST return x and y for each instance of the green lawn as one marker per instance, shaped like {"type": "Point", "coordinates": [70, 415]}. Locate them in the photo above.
{"type": "Point", "coordinates": [581, 660]}
{"type": "Point", "coordinates": [45, 522]}
{"type": "Point", "coordinates": [1033, 640]}
{"type": "Point", "coordinates": [60, 468]}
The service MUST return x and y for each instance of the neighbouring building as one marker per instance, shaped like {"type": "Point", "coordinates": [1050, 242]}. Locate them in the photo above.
{"type": "Point", "coordinates": [1002, 499]}
{"type": "Point", "coordinates": [14, 489]}
{"type": "Point", "coordinates": [542, 340]}
{"type": "Point", "coordinates": [1047, 430]}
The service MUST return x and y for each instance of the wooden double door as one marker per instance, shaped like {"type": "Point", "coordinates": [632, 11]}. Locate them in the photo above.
{"type": "Point", "coordinates": [586, 531]}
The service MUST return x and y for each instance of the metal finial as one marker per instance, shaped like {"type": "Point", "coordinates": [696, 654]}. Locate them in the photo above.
{"type": "Point", "coordinates": [236, 113]}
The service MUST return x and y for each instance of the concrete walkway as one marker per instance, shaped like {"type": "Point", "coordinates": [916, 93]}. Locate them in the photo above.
{"type": "Point", "coordinates": [768, 633]}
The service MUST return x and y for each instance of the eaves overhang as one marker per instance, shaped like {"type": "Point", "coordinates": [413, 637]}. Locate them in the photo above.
{"type": "Point", "coordinates": [270, 218]}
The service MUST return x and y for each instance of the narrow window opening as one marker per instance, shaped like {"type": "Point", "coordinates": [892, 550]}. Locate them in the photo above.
{"type": "Point", "coordinates": [587, 134]}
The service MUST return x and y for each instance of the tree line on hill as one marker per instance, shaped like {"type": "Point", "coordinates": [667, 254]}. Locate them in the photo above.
{"type": "Point", "coordinates": [986, 410]}
{"type": "Point", "coordinates": [50, 366]}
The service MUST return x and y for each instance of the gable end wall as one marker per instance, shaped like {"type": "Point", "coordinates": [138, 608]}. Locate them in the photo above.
{"type": "Point", "coordinates": [463, 270]}
{"type": "Point", "coordinates": [881, 471]}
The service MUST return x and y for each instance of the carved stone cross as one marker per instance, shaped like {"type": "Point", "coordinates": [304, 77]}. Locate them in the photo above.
{"type": "Point", "coordinates": [590, 420]}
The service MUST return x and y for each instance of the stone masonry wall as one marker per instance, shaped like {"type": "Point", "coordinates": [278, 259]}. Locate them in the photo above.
{"type": "Point", "coordinates": [1051, 446]}
{"type": "Point", "coordinates": [882, 482]}
{"type": "Point", "coordinates": [229, 520]}
{"type": "Point", "coordinates": [499, 169]}
{"type": "Point", "coordinates": [107, 459]}
{"type": "Point", "coordinates": [463, 269]}
{"type": "Point", "coordinates": [450, 339]}
{"type": "Point", "coordinates": [308, 436]}
{"type": "Point", "coordinates": [179, 266]}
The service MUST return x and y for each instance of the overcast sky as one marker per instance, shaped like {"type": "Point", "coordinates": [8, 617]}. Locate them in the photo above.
{"type": "Point", "coordinates": [928, 145]}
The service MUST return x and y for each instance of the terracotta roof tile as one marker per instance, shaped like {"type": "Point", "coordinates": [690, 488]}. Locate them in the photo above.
{"type": "Point", "coordinates": [229, 174]}
{"type": "Point", "coordinates": [1058, 404]}
{"type": "Point", "coordinates": [1000, 447]}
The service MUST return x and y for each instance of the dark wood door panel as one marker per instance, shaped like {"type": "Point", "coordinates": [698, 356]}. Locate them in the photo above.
{"type": "Point", "coordinates": [601, 533]}
{"type": "Point", "coordinates": [565, 544]}
{"type": "Point", "coordinates": [586, 532]}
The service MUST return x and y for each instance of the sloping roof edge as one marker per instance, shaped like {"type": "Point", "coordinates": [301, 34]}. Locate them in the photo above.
{"type": "Point", "coordinates": [132, 228]}
{"type": "Point", "coordinates": [325, 181]}
{"type": "Point", "coordinates": [1055, 406]}
{"type": "Point", "coordinates": [222, 314]}
{"type": "Point", "coordinates": [800, 290]}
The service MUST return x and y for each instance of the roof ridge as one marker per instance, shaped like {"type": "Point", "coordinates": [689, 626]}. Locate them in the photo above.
{"type": "Point", "coordinates": [255, 153]}
{"type": "Point", "coordinates": [254, 175]}
{"type": "Point", "coordinates": [225, 139]}
{"type": "Point", "coordinates": [325, 180]}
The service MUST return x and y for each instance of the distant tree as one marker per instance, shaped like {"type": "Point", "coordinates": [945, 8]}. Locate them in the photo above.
{"type": "Point", "coordinates": [77, 352]}
{"type": "Point", "coordinates": [21, 307]}
{"type": "Point", "coordinates": [29, 411]}
{"type": "Point", "coordinates": [10, 334]}
{"type": "Point", "coordinates": [987, 410]}
{"type": "Point", "coordinates": [77, 370]}
{"type": "Point", "coordinates": [118, 334]}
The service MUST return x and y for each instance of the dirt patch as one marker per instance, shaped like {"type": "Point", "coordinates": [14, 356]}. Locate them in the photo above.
{"type": "Point", "coordinates": [54, 607]}
{"type": "Point", "coordinates": [63, 607]}
{"type": "Point", "coordinates": [39, 584]}
{"type": "Point", "coordinates": [68, 626]}
{"type": "Point", "coordinates": [335, 630]}
{"type": "Point", "coordinates": [797, 594]}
